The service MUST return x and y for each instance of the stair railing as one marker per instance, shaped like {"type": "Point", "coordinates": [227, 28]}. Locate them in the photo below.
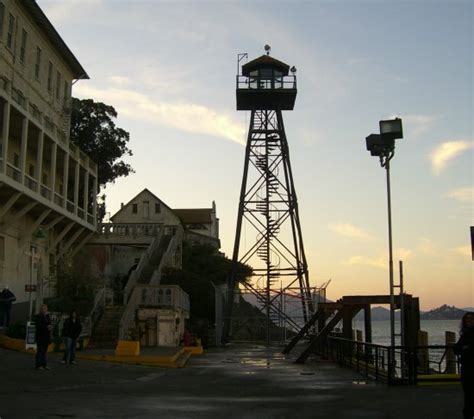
{"type": "Point", "coordinates": [144, 260]}
{"type": "Point", "coordinates": [132, 296]}
{"type": "Point", "coordinates": [169, 256]}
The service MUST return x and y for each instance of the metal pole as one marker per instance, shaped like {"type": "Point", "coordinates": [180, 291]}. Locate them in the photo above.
{"type": "Point", "coordinates": [390, 251]}
{"type": "Point", "coordinates": [402, 304]}
{"type": "Point", "coordinates": [31, 282]}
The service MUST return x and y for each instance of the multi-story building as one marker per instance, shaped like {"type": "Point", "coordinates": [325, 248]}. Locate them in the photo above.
{"type": "Point", "coordinates": [47, 184]}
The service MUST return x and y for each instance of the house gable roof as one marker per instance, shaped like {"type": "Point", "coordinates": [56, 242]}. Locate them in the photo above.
{"type": "Point", "coordinates": [134, 198]}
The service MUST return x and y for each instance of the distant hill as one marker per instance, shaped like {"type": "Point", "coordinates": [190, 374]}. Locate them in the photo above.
{"type": "Point", "coordinates": [444, 312]}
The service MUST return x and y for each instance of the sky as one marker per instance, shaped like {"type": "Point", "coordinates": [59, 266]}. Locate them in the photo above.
{"type": "Point", "coordinates": [168, 68]}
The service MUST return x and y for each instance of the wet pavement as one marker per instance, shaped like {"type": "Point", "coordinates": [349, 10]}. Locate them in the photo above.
{"type": "Point", "coordinates": [238, 382]}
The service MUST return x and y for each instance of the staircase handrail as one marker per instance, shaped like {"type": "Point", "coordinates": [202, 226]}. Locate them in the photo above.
{"type": "Point", "coordinates": [168, 255]}
{"type": "Point", "coordinates": [144, 260]}
{"type": "Point", "coordinates": [132, 289]}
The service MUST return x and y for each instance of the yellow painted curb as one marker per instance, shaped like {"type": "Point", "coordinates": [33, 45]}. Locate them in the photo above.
{"type": "Point", "coordinates": [195, 350]}
{"type": "Point", "coordinates": [7, 342]}
{"type": "Point", "coordinates": [147, 360]}
{"type": "Point", "coordinates": [127, 348]}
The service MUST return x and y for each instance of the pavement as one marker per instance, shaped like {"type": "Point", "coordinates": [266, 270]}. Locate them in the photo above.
{"type": "Point", "coordinates": [237, 382]}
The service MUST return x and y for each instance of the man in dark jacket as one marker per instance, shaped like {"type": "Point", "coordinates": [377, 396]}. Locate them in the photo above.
{"type": "Point", "coordinates": [71, 330]}
{"type": "Point", "coordinates": [6, 301]}
{"type": "Point", "coordinates": [43, 337]}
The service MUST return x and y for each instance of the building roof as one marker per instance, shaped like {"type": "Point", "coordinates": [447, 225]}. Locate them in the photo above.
{"type": "Point", "coordinates": [194, 215]}
{"type": "Point", "coordinates": [53, 36]}
{"type": "Point", "coordinates": [265, 61]}
{"type": "Point", "coordinates": [146, 190]}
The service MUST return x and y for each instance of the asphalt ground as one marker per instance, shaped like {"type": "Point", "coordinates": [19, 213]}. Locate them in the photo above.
{"type": "Point", "coordinates": [238, 382]}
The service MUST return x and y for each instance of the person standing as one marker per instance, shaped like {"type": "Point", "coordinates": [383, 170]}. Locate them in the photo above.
{"type": "Point", "coordinates": [43, 337]}
{"type": "Point", "coordinates": [6, 301]}
{"type": "Point", "coordinates": [71, 330]}
{"type": "Point", "coordinates": [464, 347]}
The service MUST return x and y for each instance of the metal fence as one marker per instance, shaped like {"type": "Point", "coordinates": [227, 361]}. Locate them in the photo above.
{"type": "Point", "coordinates": [394, 364]}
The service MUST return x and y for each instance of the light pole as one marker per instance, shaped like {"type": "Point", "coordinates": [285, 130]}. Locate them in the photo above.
{"type": "Point", "coordinates": [383, 146]}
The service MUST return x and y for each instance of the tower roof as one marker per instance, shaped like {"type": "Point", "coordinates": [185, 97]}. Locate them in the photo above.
{"type": "Point", "coordinates": [265, 61]}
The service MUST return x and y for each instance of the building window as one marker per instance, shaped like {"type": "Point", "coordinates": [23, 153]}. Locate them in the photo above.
{"type": "Point", "coordinates": [58, 84]}
{"type": "Point", "coordinates": [31, 170]}
{"type": "Point", "coordinates": [2, 17]}
{"type": "Point", "coordinates": [16, 160]}
{"type": "Point", "coordinates": [146, 209]}
{"type": "Point", "coordinates": [44, 180]}
{"type": "Point", "coordinates": [157, 208]}
{"type": "Point", "coordinates": [66, 92]}
{"type": "Point", "coordinates": [2, 248]}
{"type": "Point", "coordinates": [134, 208]}
{"type": "Point", "coordinates": [11, 28]}
{"type": "Point", "coordinates": [50, 76]}
{"type": "Point", "coordinates": [24, 37]}
{"type": "Point", "coordinates": [38, 62]}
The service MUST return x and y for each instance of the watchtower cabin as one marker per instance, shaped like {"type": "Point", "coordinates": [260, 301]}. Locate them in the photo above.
{"type": "Point", "coordinates": [265, 84]}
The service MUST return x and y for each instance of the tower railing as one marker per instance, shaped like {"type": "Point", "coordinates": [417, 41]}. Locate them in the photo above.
{"type": "Point", "coordinates": [266, 82]}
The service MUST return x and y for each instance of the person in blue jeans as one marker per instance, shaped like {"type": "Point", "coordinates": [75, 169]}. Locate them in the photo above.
{"type": "Point", "coordinates": [71, 330]}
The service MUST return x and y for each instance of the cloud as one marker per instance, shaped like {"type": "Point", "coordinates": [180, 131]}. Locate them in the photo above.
{"type": "Point", "coordinates": [188, 117]}
{"type": "Point", "coordinates": [462, 194]}
{"type": "Point", "coordinates": [380, 262]}
{"type": "Point", "coordinates": [415, 125]}
{"type": "Point", "coordinates": [427, 246]}
{"type": "Point", "coordinates": [119, 80]}
{"type": "Point", "coordinates": [402, 254]}
{"type": "Point", "coordinates": [447, 151]}
{"type": "Point", "coordinates": [60, 11]}
{"type": "Point", "coordinates": [463, 250]}
{"type": "Point", "coordinates": [351, 231]}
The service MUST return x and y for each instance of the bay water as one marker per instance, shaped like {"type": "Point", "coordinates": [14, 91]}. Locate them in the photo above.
{"type": "Point", "coordinates": [435, 328]}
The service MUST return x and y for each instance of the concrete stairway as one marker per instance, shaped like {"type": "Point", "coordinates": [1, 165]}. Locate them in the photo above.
{"type": "Point", "coordinates": [106, 331]}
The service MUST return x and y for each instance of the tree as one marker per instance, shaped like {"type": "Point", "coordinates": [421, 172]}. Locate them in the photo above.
{"type": "Point", "coordinates": [93, 130]}
{"type": "Point", "coordinates": [202, 267]}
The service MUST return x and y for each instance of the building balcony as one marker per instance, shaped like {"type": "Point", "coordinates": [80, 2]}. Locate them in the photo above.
{"type": "Point", "coordinates": [14, 181]}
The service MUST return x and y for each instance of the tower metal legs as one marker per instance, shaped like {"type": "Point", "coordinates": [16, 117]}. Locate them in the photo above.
{"type": "Point", "coordinates": [269, 209]}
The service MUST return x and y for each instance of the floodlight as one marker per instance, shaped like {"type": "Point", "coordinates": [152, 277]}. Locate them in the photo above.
{"type": "Point", "coordinates": [391, 128]}
{"type": "Point", "coordinates": [267, 48]}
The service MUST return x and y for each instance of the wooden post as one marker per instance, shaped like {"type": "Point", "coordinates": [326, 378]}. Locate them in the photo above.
{"type": "Point", "coordinates": [423, 360]}
{"type": "Point", "coordinates": [368, 323]}
{"type": "Point", "coordinates": [450, 339]}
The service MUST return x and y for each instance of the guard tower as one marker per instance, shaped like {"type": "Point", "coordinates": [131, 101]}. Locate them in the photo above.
{"type": "Point", "coordinates": [268, 206]}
